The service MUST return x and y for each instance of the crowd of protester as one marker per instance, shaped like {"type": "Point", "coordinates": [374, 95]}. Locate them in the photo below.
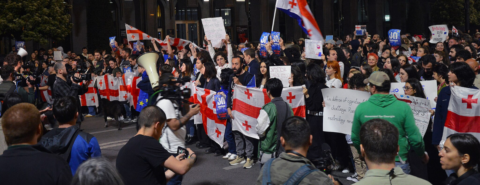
{"type": "Point", "coordinates": [378, 151]}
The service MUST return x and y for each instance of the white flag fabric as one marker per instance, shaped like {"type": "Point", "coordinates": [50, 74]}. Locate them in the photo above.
{"type": "Point", "coordinates": [299, 9]}
{"type": "Point", "coordinates": [133, 34]}
{"type": "Point", "coordinates": [214, 128]}
{"type": "Point", "coordinates": [90, 98]}
{"type": "Point", "coordinates": [246, 106]}
{"type": "Point", "coordinates": [46, 94]}
{"type": "Point", "coordinates": [463, 112]}
{"type": "Point", "coordinates": [294, 97]}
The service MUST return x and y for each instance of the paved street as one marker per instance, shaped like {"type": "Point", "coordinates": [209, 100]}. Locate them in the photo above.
{"type": "Point", "coordinates": [209, 169]}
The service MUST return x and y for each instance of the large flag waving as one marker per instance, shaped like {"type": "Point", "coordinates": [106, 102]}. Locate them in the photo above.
{"type": "Point", "coordinates": [214, 127]}
{"type": "Point", "coordinates": [90, 98]}
{"type": "Point", "coordinates": [463, 112]}
{"type": "Point", "coordinates": [298, 9]}
{"type": "Point", "coordinates": [246, 107]}
{"type": "Point", "coordinates": [294, 96]}
{"type": "Point", "coordinates": [134, 34]}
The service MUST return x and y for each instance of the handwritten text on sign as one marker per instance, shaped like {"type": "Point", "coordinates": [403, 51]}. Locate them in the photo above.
{"type": "Point", "coordinates": [340, 105]}
{"type": "Point", "coordinates": [439, 33]}
{"type": "Point", "coordinates": [420, 108]}
{"type": "Point", "coordinates": [282, 73]}
{"type": "Point", "coordinates": [313, 49]}
{"type": "Point", "coordinates": [429, 88]}
{"type": "Point", "coordinates": [215, 30]}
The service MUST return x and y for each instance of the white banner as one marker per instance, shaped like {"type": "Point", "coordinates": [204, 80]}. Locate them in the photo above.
{"type": "Point", "coordinates": [339, 110]}
{"type": "Point", "coordinates": [215, 30]}
{"type": "Point", "coordinates": [420, 108]}
{"type": "Point", "coordinates": [281, 72]}
{"type": "Point", "coordinates": [439, 33]}
{"type": "Point", "coordinates": [429, 88]}
{"type": "Point", "coordinates": [313, 49]}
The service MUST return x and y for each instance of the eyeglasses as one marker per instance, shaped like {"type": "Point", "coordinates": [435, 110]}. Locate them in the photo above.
{"type": "Point", "coordinates": [406, 88]}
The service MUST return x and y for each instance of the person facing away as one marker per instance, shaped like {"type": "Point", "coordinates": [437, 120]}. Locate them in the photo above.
{"type": "Point", "coordinates": [379, 146]}
{"type": "Point", "coordinates": [68, 141]}
{"type": "Point", "coordinates": [270, 120]}
{"type": "Point", "coordinates": [385, 106]}
{"type": "Point", "coordinates": [143, 159]}
{"type": "Point", "coordinates": [25, 162]}
{"type": "Point", "coordinates": [96, 171]}
{"type": "Point", "coordinates": [295, 138]}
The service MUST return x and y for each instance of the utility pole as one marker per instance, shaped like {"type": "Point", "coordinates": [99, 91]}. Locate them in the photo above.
{"type": "Point", "coordinates": [467, 15]}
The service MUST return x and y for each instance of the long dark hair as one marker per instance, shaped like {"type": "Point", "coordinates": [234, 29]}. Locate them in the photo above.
{"type": "Point", "coordinates": [464, 73]}
{"type": "Point", "coordinates": [389, 73]}
{"type": "Point", "coordinates": [188, 67]}
{"type": "Point", "coordinates": [315, 74]}
{"type": "Point", "coordinates": [441, 70]}
{"type": "Point", "coordinates": [220, 54]}
{"type": "Point", "coordinates": [411, 71]}
{"type": "Point", "coordinates": [417, 86]}
{"type": "Point", "coordinates": [210, 71]}
{"type": "Point", "coordinates": [467, 144]}
{"type": "Point", "coordinates": [259, 76]}
{"type": "Point", "coordinates": [395, 64]}
{"type": "Point", "coordinates": [298, 79]}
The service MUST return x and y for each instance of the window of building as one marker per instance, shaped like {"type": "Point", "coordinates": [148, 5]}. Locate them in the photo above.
{"type": "Point", "coordinates": [186, 14]}
{"type": "Point", "coordinates": [226, 14]}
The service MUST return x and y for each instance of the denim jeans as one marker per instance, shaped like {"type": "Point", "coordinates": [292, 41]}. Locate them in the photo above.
{"type": "Point", "coordinates": [190, 128]}
{"type": "Point", "coordinates": [127, 109]}
{"type": "Point", "coordinates": [232, 148]}
{"type": "Point", "coordinates": [91, 110]}
{"type": "Point", "coordinates": [176, 179]}
{"type": "Point", "coordinates": [405, 167]}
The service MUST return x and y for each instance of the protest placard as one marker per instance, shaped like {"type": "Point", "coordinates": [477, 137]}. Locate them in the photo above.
{"type": "Point", "coordinates": [112, 41]}
{"type": "Point", "coordinates": [19, 44]}
{"type": "Point", "coordinates": [360, 29]}
{"type": "Point", "coordinates": [339, 110]}
{"type": "Point", "coordinates": [57, 55]}
{"type": "Point", "coordinates": [281, 72]}
{"type": "Point", "coordinates": [276, 42]}
{"type": "Point", "coordinates": [215, 30]}
{"type": "Point", "coordinates": [394, 37]}
{"type": "Point", "coordinates": [420, 108]}
{"type": "Point", "coordinates": [329, 37]}
{"type": "Point", "coordinates": [313, 49]}
{"type": "Point", "coordinates": [263, 42]}
{"type": "Point", "coordinates": [439, 33]}
{"type": "Point", "coordinates": [429, 88]}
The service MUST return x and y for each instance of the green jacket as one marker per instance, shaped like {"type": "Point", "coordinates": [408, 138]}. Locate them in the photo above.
{"type": "Point", "coordinates": [398, 113]}
{"type": "Point", "coordinates": [381, 177]}
{"type": "Point", "coordinates": [268, 123]}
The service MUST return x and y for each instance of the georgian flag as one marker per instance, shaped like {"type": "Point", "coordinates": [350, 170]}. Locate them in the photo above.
{"type": "Point", "coordinates": [179, 43]}
{"type": "Point", "coordinates": [90, 98]}
{"type": "Point", "coordinates": [214, 128]}
{"type": "Point", "coordinates": [298, 9]}
{"type": "Point", "coordinates": [123, 94]}
{"type": "Point", "coordinates": [162, 43]}
{"type": "Point", "coordinates": [294, 97]}
{"type": "Point", "coordinates": [246, 106]}
{"type": "Point", "coordinates": [463, 112]}
{"type": "Point", "coordinates": [46, 94]}
{"type": "Point", "coordinates": [108, 87]}
{"type": "Point", "coordinates": [133, 34]}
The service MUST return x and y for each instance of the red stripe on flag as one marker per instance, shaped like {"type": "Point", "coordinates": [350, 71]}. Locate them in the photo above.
{"type": "Point", "coordinates": [83, 100]}
{"type": "Point", "coordinates": [140, 33]}
{"type": "Point", "coordinates": [266, 98]}
{"type": "Point", "coordinates": [106, 87]}
{"type": "Point", "coordinates": [462, 123]}
{"type": "Point", "coordinates": [246, 109]}
{"type": "Point", "coordinates": [299, 111]}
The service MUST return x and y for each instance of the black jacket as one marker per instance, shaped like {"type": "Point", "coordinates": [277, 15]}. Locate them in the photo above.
{"type": "Point", "coordinates": [470, 177]}
{"type": "Point", "coordinates": [244, 80]}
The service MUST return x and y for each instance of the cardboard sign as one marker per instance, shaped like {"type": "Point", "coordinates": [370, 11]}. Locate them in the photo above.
{"type": "Point", "coordinates": [281, 72]}
{"type": "Point", "coordinates": [394, 37]}
{"type": "Point", "coordinates": [360, 29]}
{"type": "Point", "coordinates": [313, 49]}
{"type": "Point", "coordinates": [215, 30]}
{"type": "Point", "coordinates": [340, 106]}
{"type": "Point", "coordinates": [329, 37]}
{"type": "Point", "coordinates": [439, 33]}
{"type": "Point", "coordinates": [454, 31]}
{"type": "Point", "coordinates": [57, 55]}
{"type": "Point", "coordinates": [429, 88]}
{"type": "Point", "coordinates": [19, 44]}
{"type": "Point", "coordinates": [420, 108]}
{"type": "Point", "coordinates": [263, 41]}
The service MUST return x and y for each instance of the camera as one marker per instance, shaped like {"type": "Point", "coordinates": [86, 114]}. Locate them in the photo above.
{"type": "Point", "coordinates": [169, 90]}
{"type": "Point", "coordinates": [22, 78]}
{"type": "Point", "coordinates": [83, 74]}
{"type": "Point", "coordinates": [326, 162]}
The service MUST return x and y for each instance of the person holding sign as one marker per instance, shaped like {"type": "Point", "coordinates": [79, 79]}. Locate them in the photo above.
{"type": "Point", "coordinates": [385, 106]}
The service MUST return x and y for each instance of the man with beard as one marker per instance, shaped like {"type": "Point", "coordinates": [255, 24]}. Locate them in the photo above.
{"type": "Point", "coordinates": [428, 62]}
{"type": "Point", "coordinates": [243, 143]}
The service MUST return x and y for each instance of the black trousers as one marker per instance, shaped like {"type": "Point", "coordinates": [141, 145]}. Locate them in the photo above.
{"type": "Point", "coordinates": [318, 138]}
{"type": "Point", "coordinates": [202, 135]}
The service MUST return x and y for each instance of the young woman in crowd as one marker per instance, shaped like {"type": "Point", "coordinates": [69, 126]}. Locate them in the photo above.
{"type": "Point", "coordinates": [440, 47]}
{"type": "Point", "coordinates": [472, 50]}
{"type": "Point", "coordinates": [440, 73]}
{"type": "Point", "coordinates": [422, 51]}
{"type": "Point", "coordinates": [186, 69]}
{"type": "Point", "coordinates": [296, 77]}
{"type": "Point", "coordinates": [372, 60]}
{"type": "Point", "coordinates": [394, 65]}
{"type": "Point", "coordinates": [441, 57]}
{"type": "Point", "coordinates": [408, 71]}
{"type": "Point", "coordinates": [212, 83]}
{"type": "Point", "coordinates": [334, 80]}
{"type": "Point", "coordinates": [385, 54]}
{"type": "Point", "coordinates": [200, 82]}
{"type": "Point", "coordinates": [224, 83]}
{"type": "Point", "coordinates": [264, 75]}
{"type": "Point", "coordinates": [343, 63]}
{"type": "Point", "coordinates": [461, 153]}
{"type": "Point", "coordinates": [403, 59]}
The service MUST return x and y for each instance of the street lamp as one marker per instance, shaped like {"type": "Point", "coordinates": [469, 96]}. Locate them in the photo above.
{"type": "Point", "coordinates": [387, 18]}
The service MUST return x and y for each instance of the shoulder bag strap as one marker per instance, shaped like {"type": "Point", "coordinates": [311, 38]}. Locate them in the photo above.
{"type": "Point", "coordinates": [300, 174]}
{"type": "Point", "coordinates": [266, 180]}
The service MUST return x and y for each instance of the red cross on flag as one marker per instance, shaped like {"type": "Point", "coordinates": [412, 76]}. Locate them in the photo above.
{"type": "Point", "coordinates": [134, 91]}
{"type": "Point", "coordinates": [246, 106]}
{"type": "Point", "coordinates": [133, 34]}
{"type": "Point", "coordinates": [179, 43]}
{"type": "Point", "coordinates": [162, 43]}
{"type": "Point", "coordinates": [108, 87]}
{"type": "Point", "coordinates": [463, 112]}
{"type": "Point", "coordinates": [46, 94]}
{"type": "Point", "coordinates": [294, 96]}
{"type": "Point", "coordinates": [214, 128]}
{"type": "Point", "coordinates": [90, 98]}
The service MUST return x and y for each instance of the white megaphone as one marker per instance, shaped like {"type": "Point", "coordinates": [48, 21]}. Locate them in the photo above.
{"type": "Point", "coordinates": [149, 62]}
{"type": "Point", "coordinates": [22, 52]}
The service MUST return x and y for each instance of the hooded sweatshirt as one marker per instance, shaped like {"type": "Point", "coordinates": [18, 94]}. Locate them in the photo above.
{"type": "Point", "coordinates": [387, 107]}
{"type": "Point", "coordinates": [85, 146]}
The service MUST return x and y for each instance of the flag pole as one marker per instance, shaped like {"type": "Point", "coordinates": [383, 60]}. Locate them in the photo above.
{"type": "Point", "coordinates": [274, 13]}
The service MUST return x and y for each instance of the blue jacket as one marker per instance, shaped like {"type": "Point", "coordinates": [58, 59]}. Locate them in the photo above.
{"type": "Point", "coordinates": [84, 146]}
{"type": "Point", "coordinates": [254, 67]}
{"type": "Point", "coordinates": [441, 111]}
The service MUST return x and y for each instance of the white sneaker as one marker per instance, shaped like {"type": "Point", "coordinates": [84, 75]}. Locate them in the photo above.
{"type": "Point", "coordinates": [353, 177]}
{"type": "Point", "coordinates": [345, 170]}
{"type": "Point", "coordinates": [232, 157]}
{"type": "Point", "coordinates": [109, 118]}
{"type": "Point", "coordinates": [120, 118]}
{"type": "Point", "coordinates": [227, 156]}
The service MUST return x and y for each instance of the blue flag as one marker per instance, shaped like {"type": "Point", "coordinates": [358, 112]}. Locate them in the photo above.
{"type": "Point", "coordinates": [142, 101]}
{"type": "Point", "coordinates": [112, 42]}
{"type": "Point", "coordinates": [394, 37]}
{"type": "Point", "coordinates": [252, 83]}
